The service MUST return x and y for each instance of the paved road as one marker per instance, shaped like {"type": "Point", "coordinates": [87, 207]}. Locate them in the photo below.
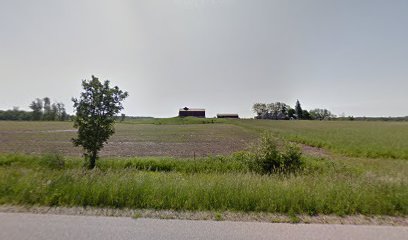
{"type": "Point", "coordinates": [23, 226]}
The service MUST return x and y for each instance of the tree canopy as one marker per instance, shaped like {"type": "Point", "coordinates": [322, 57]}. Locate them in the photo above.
{"type": "Point", "coordinates": [282, 111]}
{"type": "Point", "coordinates": [95, 110]}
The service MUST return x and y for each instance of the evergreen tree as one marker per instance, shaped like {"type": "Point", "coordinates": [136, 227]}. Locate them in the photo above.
{"type": "Point", "coordinates": [298, 109]}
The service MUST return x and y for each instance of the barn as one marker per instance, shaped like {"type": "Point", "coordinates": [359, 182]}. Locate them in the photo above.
{"type": "Point", "coordinates": [192, 112]}
{"type": "Point", "coordinates": [227, 115]}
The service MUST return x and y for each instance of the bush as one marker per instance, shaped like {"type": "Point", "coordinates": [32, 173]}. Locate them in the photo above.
{"type": "Point", "coordinates": [292, 158]}
{"type": "Point", "coordinates": [268, 159]}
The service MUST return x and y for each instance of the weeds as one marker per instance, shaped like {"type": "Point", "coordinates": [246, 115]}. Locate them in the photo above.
{"type": "Point", "coordinates": [137, 215]}
{"type": "Point", "coordinates": [218, 216]}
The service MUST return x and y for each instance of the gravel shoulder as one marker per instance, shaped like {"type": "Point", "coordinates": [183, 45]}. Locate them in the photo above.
{"type": "Point", "coordinates": [207, 215]}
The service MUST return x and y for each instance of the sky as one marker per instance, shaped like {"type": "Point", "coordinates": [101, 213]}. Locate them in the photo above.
{"type": "Point", "coordinates": [349, 56]}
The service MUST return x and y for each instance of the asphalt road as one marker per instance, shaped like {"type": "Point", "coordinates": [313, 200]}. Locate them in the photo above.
{"type": "Point", "coordinates": [23, 226]}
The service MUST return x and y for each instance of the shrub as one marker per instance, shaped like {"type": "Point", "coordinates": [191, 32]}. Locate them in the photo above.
{"type": "Point", "coordinates": [267, 158]}
{"type": "Point", "coordinates": [292, 158]}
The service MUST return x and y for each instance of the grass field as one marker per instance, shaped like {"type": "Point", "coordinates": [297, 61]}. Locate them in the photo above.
{"type": "Point", "coordinates": [358, 138]}
{"type": "Point", "coordinates": [365, 175]}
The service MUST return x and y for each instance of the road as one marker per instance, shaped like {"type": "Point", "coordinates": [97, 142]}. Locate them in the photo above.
{"type": "Point", "coordinates": [23, 226]}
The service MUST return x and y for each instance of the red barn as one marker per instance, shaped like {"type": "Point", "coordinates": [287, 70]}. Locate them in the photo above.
{"type": "Point", "coordinates": [192, 112]}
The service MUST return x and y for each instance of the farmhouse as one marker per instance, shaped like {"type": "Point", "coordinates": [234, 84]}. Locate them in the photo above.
{"type": "Point", "coordinates": [192, 112]}
{"type": "Point", "coordinates": [227, 115]}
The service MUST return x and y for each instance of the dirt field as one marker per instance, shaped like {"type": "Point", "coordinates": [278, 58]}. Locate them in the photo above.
{"type": "Point", "coordinates": [129, 140]}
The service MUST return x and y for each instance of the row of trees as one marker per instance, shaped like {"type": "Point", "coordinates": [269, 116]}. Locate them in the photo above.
{"type": "Point", "coordinates": [282, 111]}
{"type": "Point", "coordinates": [15, 114]}
{"type": "Point", "coordinates": [42, 109]}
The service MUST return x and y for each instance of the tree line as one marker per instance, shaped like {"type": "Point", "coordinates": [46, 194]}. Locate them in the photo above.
{"type": "Point", "coordinates": [282, 111]}
{"type": "Point", "coordinates": [42, 110]}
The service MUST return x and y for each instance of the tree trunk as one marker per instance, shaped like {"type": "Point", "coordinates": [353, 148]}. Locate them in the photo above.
{"type": "Point", "coordinates": [92, 159]}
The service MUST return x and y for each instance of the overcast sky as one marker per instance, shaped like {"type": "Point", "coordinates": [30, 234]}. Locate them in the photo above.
{"type": "Point", "coordinates": [350, 56]}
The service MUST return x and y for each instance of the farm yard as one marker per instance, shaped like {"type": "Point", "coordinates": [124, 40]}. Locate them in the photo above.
{"type": "Point", "coordinates": [348, 167]}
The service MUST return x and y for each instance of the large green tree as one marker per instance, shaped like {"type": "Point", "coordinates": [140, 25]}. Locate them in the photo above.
{"type": "Point", "coordinates": [95, 116]}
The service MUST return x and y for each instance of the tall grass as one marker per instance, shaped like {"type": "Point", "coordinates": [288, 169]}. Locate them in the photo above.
{"type": "Point", "coordinates": [238, 192]}
{"type": "Point", "coordinates": [216, 164]}
{"type": "Point", "coordinates": [324, 187]}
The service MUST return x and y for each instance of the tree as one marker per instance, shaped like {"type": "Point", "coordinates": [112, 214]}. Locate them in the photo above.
{"type": "Point", "coordinates": [53, 115]}
{"type": "Point", "coordinates": [306, 115]}
{"type": "Point", "coordinates": [15, 114]}
{"type": "Point", "coordinates": [95, 115]}
{"type": "Point", "coordinates": [37, 107]}
{"type": "Point", "coordinates": [261, 110]}
{"type": "Point", "coordinates": [61, 115]}
{"type": "Point", "coordinates": [291, 113]}
{"type": "Point", "coordinates": [321, 114]}
{"type": "Point", "coordinates": [299, 110]}
{"type": "Point", "coordinates": [47, 115]}
{"type": "Point", "coordinates": [278, 110]}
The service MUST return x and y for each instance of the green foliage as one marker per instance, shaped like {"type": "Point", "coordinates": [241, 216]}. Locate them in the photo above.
{"type": "Point", "coordinates": [41, 110]}
{"type": "Point", "coordinates": [291, 158]}
{"type": "Point", "coordinates": [282, 111]}
{"type": "Point", "coordinates": [269, 159]}
{"type": "Point", "coordinates": [321, 114]}
{"type": "Point", "coordinates": [298, 110]}
{"type": "Point", "coordinates": [306, 115]}
{"type": "Point", "coordinates": [218, 216]}
{"type": "Point", "coordinates": [291, 113]}
{"type": "Point", "coordinates": [95, 116]}
{"type": "Point", "coordinates": [54, 111]}
{"type": "Point", "coordinates": [37, 107]}
{"type": "Point", "coordinates": [277, 110]}
{"type": "Point", "coordinates": [15, 115]}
